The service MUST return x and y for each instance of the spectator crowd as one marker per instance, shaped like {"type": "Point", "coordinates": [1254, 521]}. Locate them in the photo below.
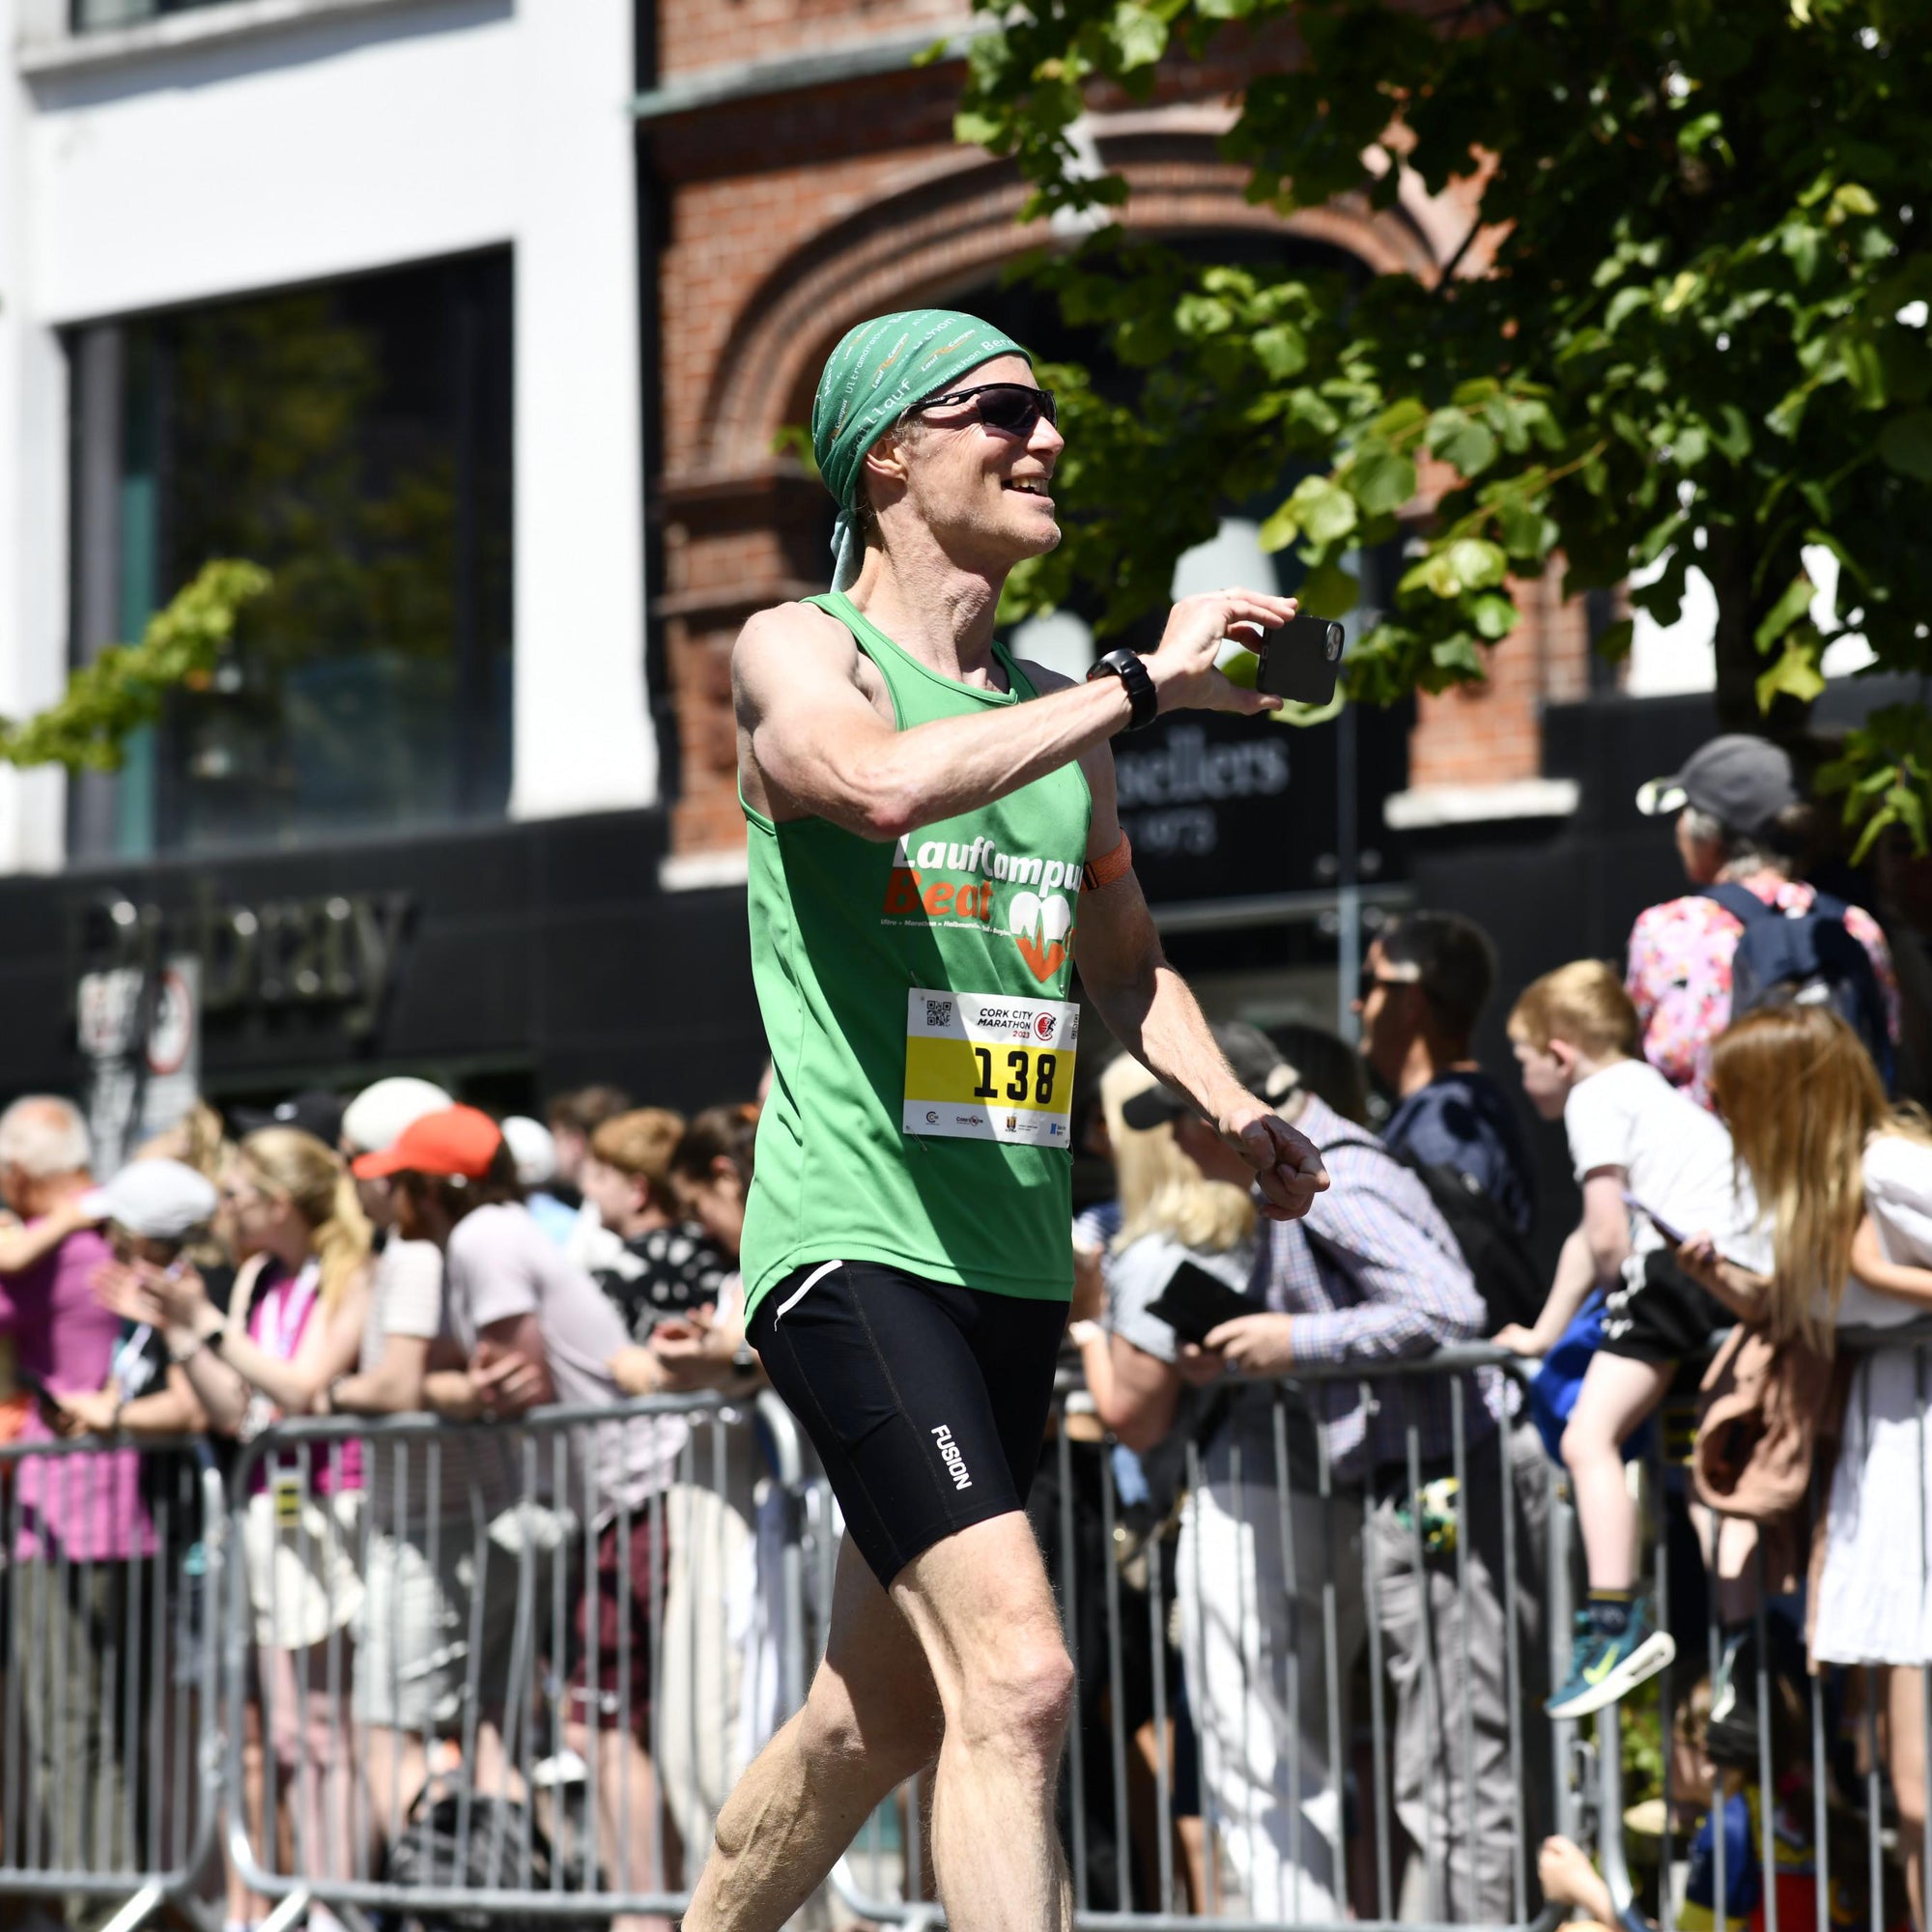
{"type": "Point", "coordinates": [393, 1255]}
{"type": "Point", "coordinates": [1305, 1527]}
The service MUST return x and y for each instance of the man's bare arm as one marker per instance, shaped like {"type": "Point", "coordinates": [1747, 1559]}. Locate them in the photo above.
{"type": "Point", "coordinates": [1150, 1009]}
{"type": "Point", "coordinates": [22, 1245]}
{"type": "Point", "coordinates": [824, 752]}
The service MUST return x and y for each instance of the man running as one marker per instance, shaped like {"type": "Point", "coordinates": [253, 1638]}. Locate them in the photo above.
{"type": "Point", "coordinates": [933, 824]}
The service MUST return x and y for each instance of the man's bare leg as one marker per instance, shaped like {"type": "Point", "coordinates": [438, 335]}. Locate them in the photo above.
{"type": "Point", "coordinates": [985, 1618]}
{"type": "Point", "coordinates": [870, 1719]}
{"type": "Point", "coordinates": [973, 1619]}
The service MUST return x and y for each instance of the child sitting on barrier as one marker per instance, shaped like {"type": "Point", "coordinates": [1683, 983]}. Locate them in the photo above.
{"type": "Point", "coordinates": [1652, 1166]}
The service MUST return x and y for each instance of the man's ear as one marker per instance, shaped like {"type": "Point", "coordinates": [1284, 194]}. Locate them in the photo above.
{"type": "Point", "coordinates": [887, 458]}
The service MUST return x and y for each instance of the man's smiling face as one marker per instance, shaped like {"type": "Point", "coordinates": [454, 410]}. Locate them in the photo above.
{"type": "Point", "coordinates": [986, 492]}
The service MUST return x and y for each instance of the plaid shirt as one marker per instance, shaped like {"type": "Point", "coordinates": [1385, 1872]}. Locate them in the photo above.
{"type": "Point", "coordinates": [1382, 1279]}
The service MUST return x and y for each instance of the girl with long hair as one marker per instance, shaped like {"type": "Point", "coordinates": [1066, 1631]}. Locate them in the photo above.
{"type": "Point", "coordinates": [295, 1321]}
{"type": "Point", "coordinates": [294, 1325]}
{"type": "Point", "coordinates": [718, 1688]}
{"type": "Point", "coordinates": [1845, 1183]}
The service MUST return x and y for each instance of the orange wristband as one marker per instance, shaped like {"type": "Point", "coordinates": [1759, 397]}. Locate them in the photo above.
{"type": "Point", "coordinates": [1117, 865]}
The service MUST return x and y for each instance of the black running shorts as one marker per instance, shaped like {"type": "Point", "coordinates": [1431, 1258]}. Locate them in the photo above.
{"type": "Point", "coordinates": [1665, 1317]}
{"type": "Point", "coordinates": [927, 1403]}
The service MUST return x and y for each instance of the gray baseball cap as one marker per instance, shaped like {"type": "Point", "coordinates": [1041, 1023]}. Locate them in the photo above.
{"type": "Point", "coordinates": [1743, 782]}
{"type": "Point", "coordinates": [1257, 1065]}
{"type": "Point", "coordinates": [158, 1200]}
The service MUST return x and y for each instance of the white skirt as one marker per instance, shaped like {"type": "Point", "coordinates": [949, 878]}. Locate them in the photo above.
{"type": "Point", "coordinates": [1874, 1606]}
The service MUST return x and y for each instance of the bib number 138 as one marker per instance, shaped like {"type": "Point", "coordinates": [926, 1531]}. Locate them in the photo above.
{"type": "Point", "coordinates": [1025, 1076]}
{"type": "Point", "coordinates": [982, 1066]}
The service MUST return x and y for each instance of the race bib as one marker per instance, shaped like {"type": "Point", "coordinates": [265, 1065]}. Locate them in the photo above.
{"type": "Point", "coordinates": [984, 1068]}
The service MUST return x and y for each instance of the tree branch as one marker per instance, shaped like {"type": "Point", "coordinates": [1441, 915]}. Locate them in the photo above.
{"type": "Point", "coordinates": [1447, 271]}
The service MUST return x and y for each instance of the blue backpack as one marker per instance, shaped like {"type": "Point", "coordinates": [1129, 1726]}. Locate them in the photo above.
{"type": "Point", "coordinates": [1806, 958]}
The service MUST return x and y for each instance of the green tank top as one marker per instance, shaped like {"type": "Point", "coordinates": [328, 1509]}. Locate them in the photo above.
{"type": "Point", "coordinates": [915, 999]}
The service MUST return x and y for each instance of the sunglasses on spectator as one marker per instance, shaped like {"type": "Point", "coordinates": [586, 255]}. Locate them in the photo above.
{"type": "Point", "coordinates": [1012, 407]}
{"type": "Point", "coordinates": [1369, 981]}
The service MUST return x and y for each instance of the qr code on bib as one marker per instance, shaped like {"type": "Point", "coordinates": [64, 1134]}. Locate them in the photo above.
{"type": "Point", "coordinates": [938, 1013]}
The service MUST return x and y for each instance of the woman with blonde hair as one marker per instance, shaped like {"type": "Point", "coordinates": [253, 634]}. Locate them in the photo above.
{"type": "Point", "coordinates": [295, 1321]}
{"type": "Point", "coordinates": [1170, 1212]}
{"type": "Point", "coordinates": [1844, 1183]}
{"type": "Point", "coordinates": [1270, 1860]}
{"type": "Point", "coordinates": [293, 1328]}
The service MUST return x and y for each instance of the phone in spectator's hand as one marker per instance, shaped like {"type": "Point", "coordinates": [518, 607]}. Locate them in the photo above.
{"type": "Point", "coordinates": [1194, 1304]}
{"type": "Point", "coordinates": [1655, 1220]}
{"type": "Point", "coordinates": [44, 1398]}
{"type": "Point", "coordinates": [1675, 1237]}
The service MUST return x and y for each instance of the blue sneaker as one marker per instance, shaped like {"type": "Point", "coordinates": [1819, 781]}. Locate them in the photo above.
{"type": "Point", "coordinates": [1606, 1669]}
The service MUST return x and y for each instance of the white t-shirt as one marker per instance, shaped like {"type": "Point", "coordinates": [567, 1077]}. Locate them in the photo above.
{"type": "Point", "coordinates": [1898, 1195]}
{"type": "Point", "coordinates": [500, 1264]}
{"type": "Point", "coordinates": [406, 1298]}
{"type": "Point", "coordinates": [1677, 1159]}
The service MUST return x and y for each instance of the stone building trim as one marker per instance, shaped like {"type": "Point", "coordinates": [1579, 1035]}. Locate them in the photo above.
{"type": "Point", "coordinates": [791, 74]}
{"type": "Point", "coordinates": [1424, 807]}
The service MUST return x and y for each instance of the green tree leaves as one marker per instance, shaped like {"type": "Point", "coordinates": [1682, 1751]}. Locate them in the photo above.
{"type": "Point", "coordinates": [1905, 444]}
{"type": "Point", "coordinates": [124, 688]}
{"type": "Point", "coordinates": [1701, 337]}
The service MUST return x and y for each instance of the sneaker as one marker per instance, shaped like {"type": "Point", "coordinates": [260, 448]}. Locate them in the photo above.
{"type": "Point", "coordinates": [1724, 1679]}
{"type": "Point", "coordinates": [1606, 1669]}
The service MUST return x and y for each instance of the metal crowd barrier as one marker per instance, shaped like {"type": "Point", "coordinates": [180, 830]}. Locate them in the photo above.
{"type": "Point", "coordinates": [109, 1764]}
{"type": "Point", "coordinates": [506, 1669]}
{"type": "Point", "coordinates": [1806, 1749]}
{"type": "Point", "coordinates": [511, 1671]}
{"type": "Point", "coordinates": [1362, 1664]}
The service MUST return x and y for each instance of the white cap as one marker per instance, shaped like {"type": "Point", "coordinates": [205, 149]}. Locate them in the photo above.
{"type": "Point", "coordinates": [531, 1147]}
{"type": "Point", "coordinates": [158, 1200]}
{"type": "Point", "coordinates": [373, 1122]}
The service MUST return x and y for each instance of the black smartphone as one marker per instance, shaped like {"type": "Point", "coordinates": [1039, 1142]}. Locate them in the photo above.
{"type": "Point", "coordinates": [1194, 1304]}
{"type": "Point", "coordinates": [1301, 660]}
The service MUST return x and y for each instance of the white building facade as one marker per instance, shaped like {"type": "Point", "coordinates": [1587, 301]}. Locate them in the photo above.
{"type": "Point", "coordinates": [401, 235]}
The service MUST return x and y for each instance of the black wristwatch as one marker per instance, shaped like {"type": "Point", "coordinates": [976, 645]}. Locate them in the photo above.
{"type": "Point", "coordinates": [1142, 696]}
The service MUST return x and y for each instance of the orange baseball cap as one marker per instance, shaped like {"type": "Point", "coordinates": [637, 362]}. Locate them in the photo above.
{"type": "Point", "coordinates": [452, 1144]}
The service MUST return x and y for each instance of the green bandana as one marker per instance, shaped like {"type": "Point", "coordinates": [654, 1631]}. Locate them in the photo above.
{"type": "Point", "coordinates": [878, 371]}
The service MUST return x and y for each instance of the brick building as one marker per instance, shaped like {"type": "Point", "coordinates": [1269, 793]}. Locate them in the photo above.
{"type": "Point", "coordinates": [802, 175]}
{"type": "Point", "coordinates": [805, 177]}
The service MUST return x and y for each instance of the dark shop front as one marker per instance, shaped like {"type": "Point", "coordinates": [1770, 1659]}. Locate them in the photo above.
{"type": "Point", "coordinates": [511, 961]}
{"type": "Point", "coordinates": [507, 963]}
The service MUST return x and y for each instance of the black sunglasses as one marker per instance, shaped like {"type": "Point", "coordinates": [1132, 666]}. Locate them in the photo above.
{"type": "Point", "coordinates": [1369, 981]}
{"type": "Point", "coordinates": [1013, 407]}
